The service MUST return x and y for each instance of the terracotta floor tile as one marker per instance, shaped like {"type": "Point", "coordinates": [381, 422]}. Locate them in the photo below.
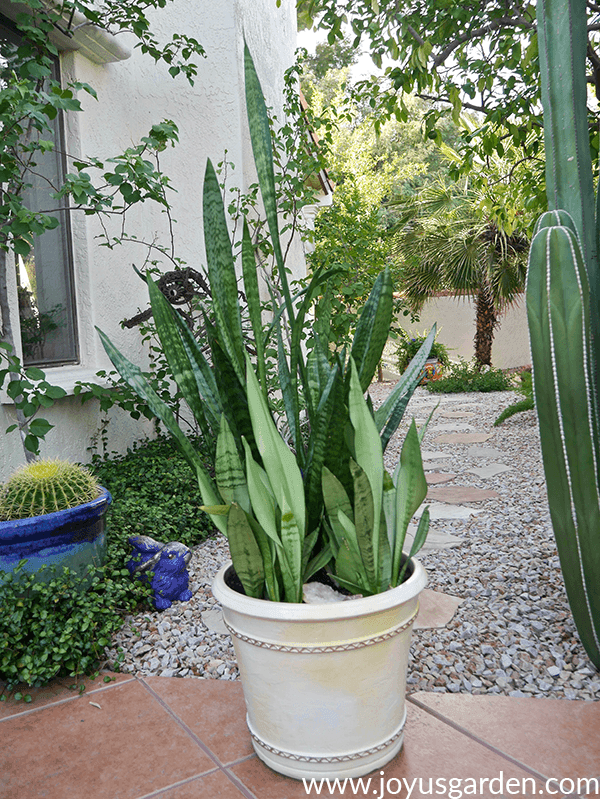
{"type": "Point", "coordinates": [127, 748]}
{"type": "Point", "coordinates": [212, 786]}
{"type": "Point", "coordinates": [432, 749]}
{"type": "Point", "coordinates": [213, 709]}
{"type": "Point", "coordinates": [557, 737]}
{"type": "Point", "coordinates": [56, 691]}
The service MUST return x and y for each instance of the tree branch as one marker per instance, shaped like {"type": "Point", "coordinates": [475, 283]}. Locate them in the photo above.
{"type": "Point", "coordinates": [497, 24]}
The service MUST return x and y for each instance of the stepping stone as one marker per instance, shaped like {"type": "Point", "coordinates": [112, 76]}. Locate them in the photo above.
{"type": "Point", "coordinates": [430, 455]}
{"type": "Point", "coordinates": [439, 477]}
{"type": "Point", "coordinates": [430, 466]}
{"type": "Point", "coordinates": [436, 540]}
{"type": "Point", "coordinates": [490, 471]}
{"type": "Point", "coordinates": [435, 609]}
{"type": "Point", "coordinates": [451, 426]}
{"type": "Point", "coordinates": [457, 414]}
{"type": "Point", "coordinates": [462, 438]}
{"type": "Point", "coordinates": [484, 452]}
{"type": "Point", "coordinates": [213, 619]}
{"type": "Point", "coordinates": [461, 494]}
{"type": "Point", "coordinates": [438, 511]}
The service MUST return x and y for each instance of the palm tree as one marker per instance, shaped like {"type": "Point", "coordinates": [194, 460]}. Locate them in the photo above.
{"type": "Point", "coordinates": [445, 243]}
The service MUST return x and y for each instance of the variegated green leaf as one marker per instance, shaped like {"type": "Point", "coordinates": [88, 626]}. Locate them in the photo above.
{"type": "Point", "coordinates": [349, 567]}
{"type": "Point", "coordinates": [279, 462]}
{"type": "Point", "coordinates": [373, 328]}
{"type": "Point", "coordinates": [411, 490]}
{"type": "Point", "coordinates": [364, 525]}
{"type": "Point", "coordinates": [389, 415]}
{"type": "Point", "coordinates": [245, 553]}
{"type": "Point", "coordinates": [367, 449]}
{"type": "Point", "coordinates": [291, 543]}
{"type": "Point", "coordinates": [268, 553]}
{"type": "Point", "coordinates": [174, 350]}
{"type": "Point", "coordinates": [221, 272]}
{"type": "Point", "coordinates": [231, 480]}
{"type": "Point", "coordinates": [254, 306]}
{"type": "Point", "coordinates": [261, 496]}
{"type": "Point", "coordinates": [336, 499]}
{"type": "Point", "coordinates": [260, 135]}
{"type": "Point", "coordinates": [418, 542]}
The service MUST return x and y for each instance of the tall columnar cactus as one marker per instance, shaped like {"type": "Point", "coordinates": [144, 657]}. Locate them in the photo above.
{"type": "Point", "coordinates": [563, 293]}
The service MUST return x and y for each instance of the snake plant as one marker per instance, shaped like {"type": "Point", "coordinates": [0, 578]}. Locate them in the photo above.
{"type": "Point", "coordinates": [563, 294]}
{"type": "Point", "coordinates": [269, 499]}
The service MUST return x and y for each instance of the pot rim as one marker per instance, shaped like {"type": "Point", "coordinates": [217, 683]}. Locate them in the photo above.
{"type": "Point", "coordinates": [345, 609]}
{"type": "Point", "coordinates": [79, 513]}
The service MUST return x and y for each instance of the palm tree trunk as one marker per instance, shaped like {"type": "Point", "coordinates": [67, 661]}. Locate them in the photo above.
{"type": "Point", "coordinates": [486, 322]}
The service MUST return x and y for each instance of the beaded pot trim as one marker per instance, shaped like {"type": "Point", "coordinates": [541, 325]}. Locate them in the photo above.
{"type": "Point", "coordinates": [332, 758]}
{"type": "Point", "coordinates": [318, 649]}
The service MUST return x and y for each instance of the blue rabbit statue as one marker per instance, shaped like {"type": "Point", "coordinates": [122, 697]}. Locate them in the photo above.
{"type": "Point", "coordinates": [169, 562]}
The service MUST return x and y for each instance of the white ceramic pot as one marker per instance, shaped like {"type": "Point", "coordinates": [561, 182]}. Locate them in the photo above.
{"type": "Point", "coordinates": [324, 684]}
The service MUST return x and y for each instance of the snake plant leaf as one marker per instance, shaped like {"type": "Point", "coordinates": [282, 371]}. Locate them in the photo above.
{"type": "Point", "coordinates": [262, 149]}
{"type": "Point", "coordinates": [261, 496]}
{"type": "Point", "coordinates": [385, 559]}
{"type": "Point", "coordinates": [245, 553]}
{"type": "Point", "coordinates": [320, 560]}
{"type": "Point", "coordinates": [203, 374]}
{"type": "Point", "coordinates": [558, 307]}
{"type": "Point", "coordinates": [221, 272]}
{"type": "Point", "coordinates": [320, 427]}
{"type": "Point", "coordinates": [411, 490]}
{"type": "Point", "coordinates": [364, 526]}
{"type": "Point", "coordinates": [234, 398]}
{"type": "Point", "coordinates": [389, 415]}
{"type": "Point", "coordinates": [372, 329]}
{"type": "Point", "coordinates": [251, 290]}
{"type": "Point", "coordinates": [418, 542]}
{"type": "Point", "coordinates": [292, 537]}
{"type": "Point", "coordinates": [336, 499]}
{"type": "Point", "coordinates": [229, 470]}
{"type": "Point", "coordinates": [368, 453]}
{"type": "Point", "coordinates": [135, 379]}
{"type": "Point", "coordinates": [174, 351]}
{"type": "Point", "coordinates": [289, 394]}
{"type": "Point", "coordinates": [349, 567]}
{"type": "Point", "coordinates": [389, 508]}
{"type": "Point", "coordinates": [278, 460]}
{"type": "Point", "coordinates": [268, 552]}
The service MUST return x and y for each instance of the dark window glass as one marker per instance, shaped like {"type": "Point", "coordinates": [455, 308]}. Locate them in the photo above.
{"type": "Point", "coordinates": [47, 309]}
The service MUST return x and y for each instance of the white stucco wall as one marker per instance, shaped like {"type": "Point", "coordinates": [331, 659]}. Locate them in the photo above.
{"type": "Point", "coordinates": [455, 320]}
{"type": "Point", "coordinates": [132, 95]}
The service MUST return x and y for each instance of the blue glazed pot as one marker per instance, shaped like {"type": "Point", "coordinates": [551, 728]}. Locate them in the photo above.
{"type": "Point", "coordinates": [74, 537]}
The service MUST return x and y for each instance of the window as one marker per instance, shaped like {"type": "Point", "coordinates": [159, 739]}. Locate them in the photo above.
{"type": "Point", "coordinates": [45, 284]}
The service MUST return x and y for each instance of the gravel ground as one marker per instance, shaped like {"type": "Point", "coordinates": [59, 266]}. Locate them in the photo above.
{"type": "Point", "coordinates": [512, 634]}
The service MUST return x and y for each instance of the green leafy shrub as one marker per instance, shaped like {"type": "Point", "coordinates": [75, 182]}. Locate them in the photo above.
{"type": "Point", "coordinates": [57, 628]}
{"type": "Point", "coordinates": [60, 628]}
{"type": "Point", "coordinates": [526, 404]}
{"type": "Point", "coordinates": [408, 346]}
{"type": "Point", "coordinates": [465, 376]}
{"type": "Point", "coordinates": [155, 493]}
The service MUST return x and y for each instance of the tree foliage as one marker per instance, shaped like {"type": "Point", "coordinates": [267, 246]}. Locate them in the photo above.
{"type": "Point", "coordinates": [31, 98]}
{"type": "Point", "coordinates": [479, 57]}
{"type": "Point", "coordinates": [446, 243]}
